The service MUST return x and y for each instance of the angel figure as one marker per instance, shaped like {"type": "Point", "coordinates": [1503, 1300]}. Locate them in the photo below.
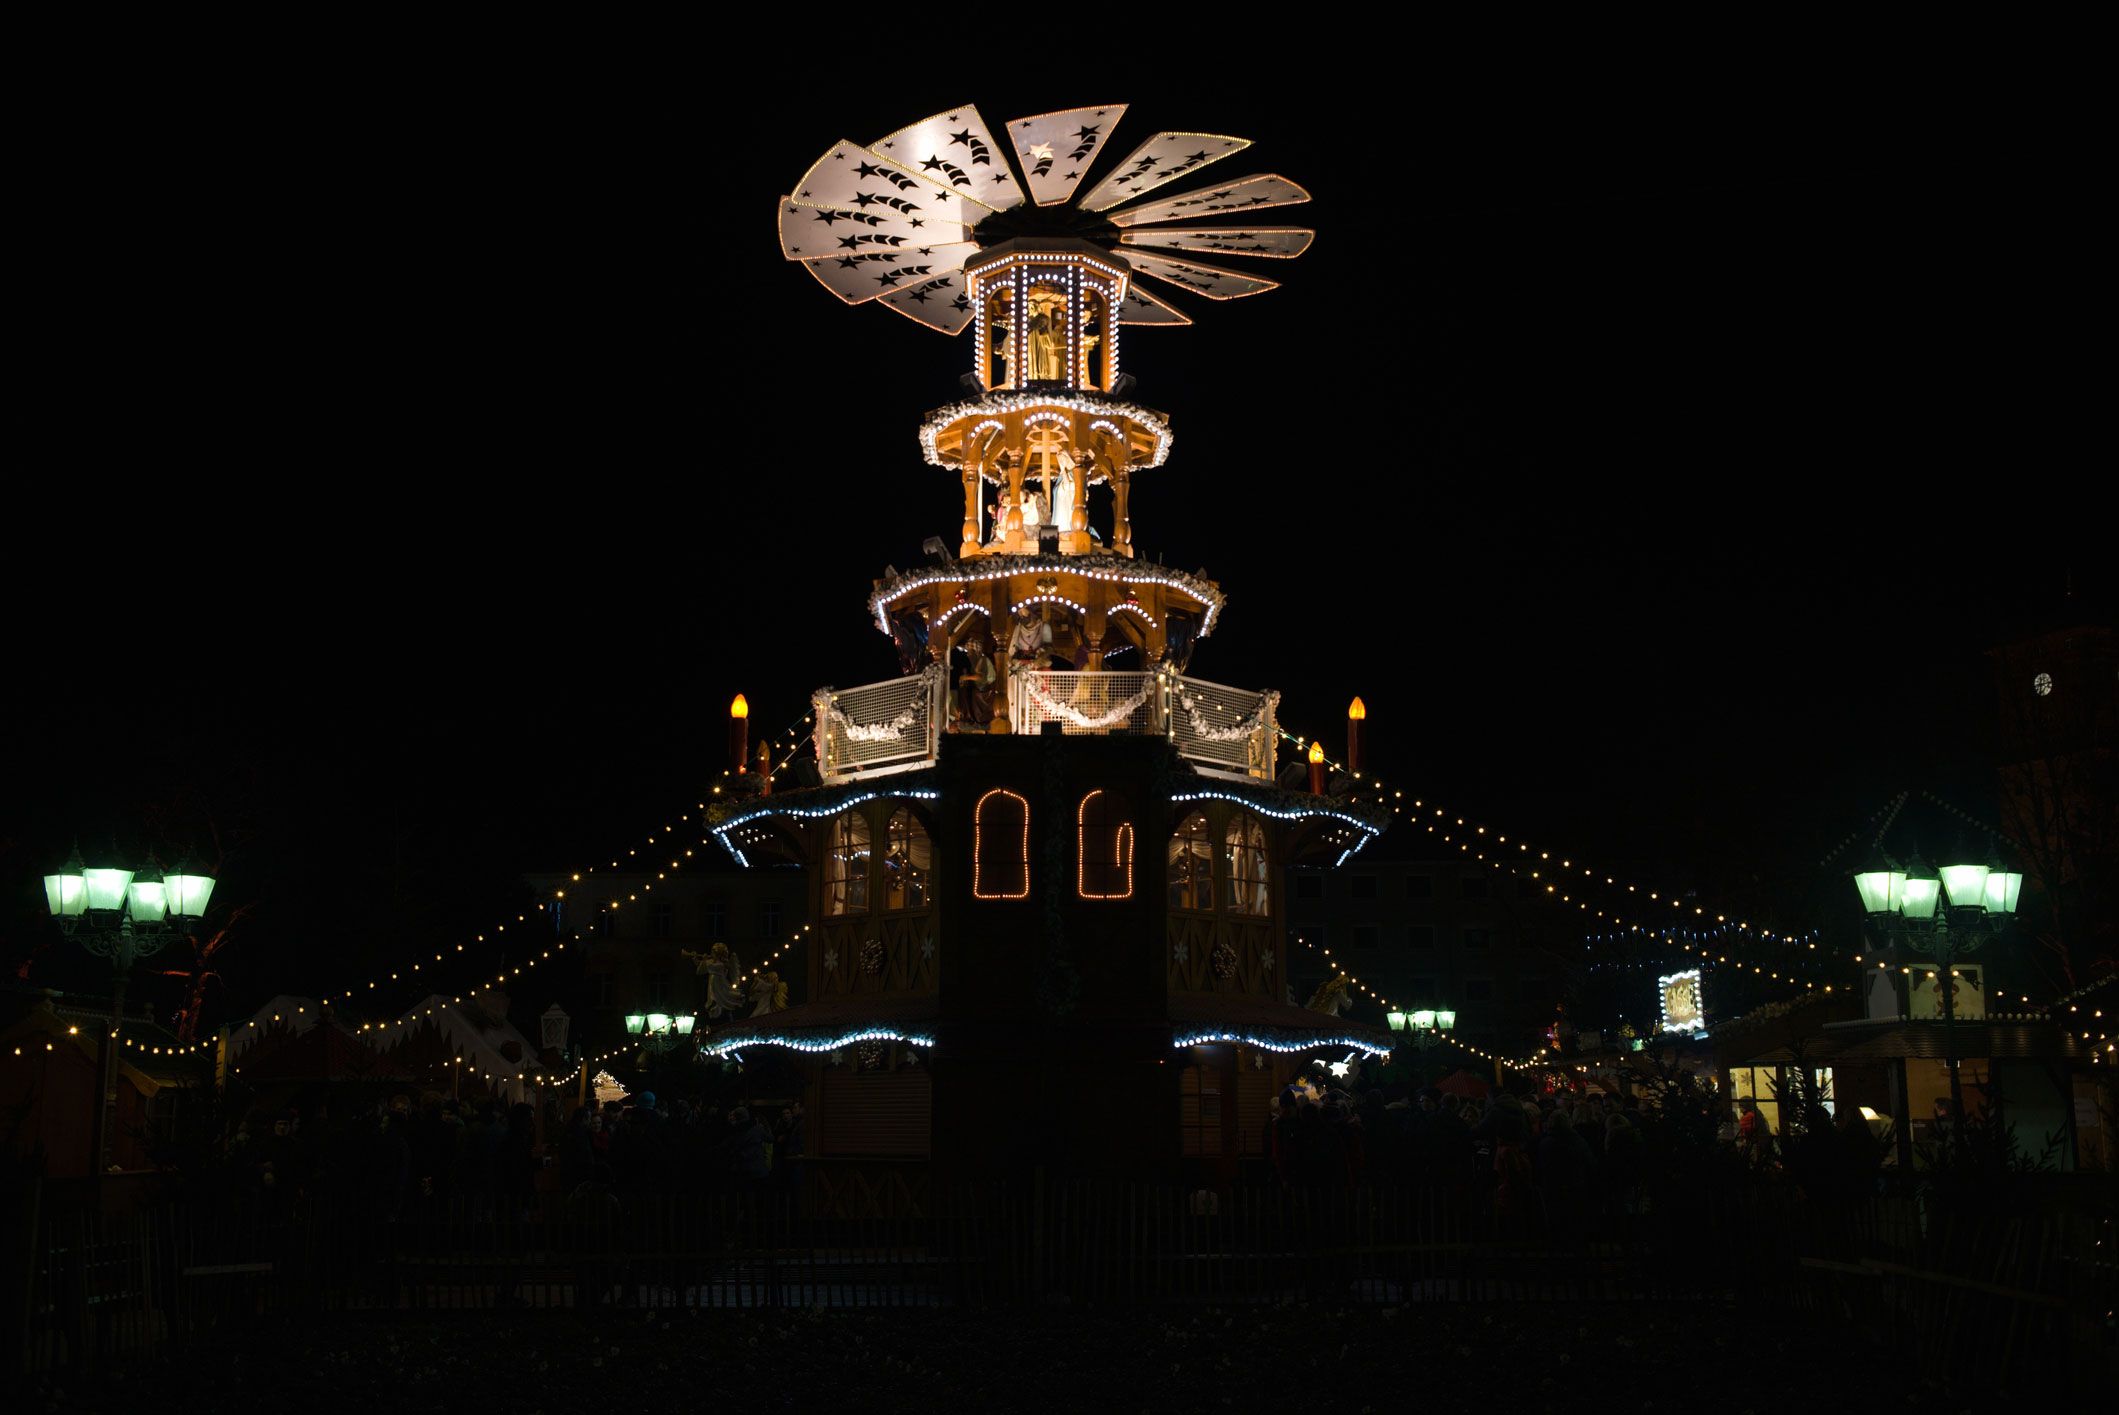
{"type": "Point", "coordinates": [1331, 997]}
{"type": "Point", "coordinates": [719, 966]}
{"type": "Point", "coordinates": [768, 992]}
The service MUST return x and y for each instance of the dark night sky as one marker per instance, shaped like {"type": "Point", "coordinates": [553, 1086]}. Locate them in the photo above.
{"type": "Point", "coordinates": [1656, 474]}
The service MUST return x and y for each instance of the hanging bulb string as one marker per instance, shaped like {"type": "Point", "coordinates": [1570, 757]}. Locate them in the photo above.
{"type": "Point", "coordinates": [1441, 823]}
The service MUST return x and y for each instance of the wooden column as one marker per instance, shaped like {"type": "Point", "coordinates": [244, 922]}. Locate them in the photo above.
{"type": "Point", "coordinates": [970, 546]}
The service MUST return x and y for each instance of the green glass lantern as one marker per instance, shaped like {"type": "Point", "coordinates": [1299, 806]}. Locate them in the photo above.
{"type": "Point", "coordinates": [1923, 889]}
{"type": "Point", "coordinates": [1446, 1020]}
{"type": "Point", "coordinates": [147, 901]}
{"type": "Point", "coordinates": [67, 891]}
{"type": "Point", "coordinates": [1396, 1019]}
{"type": "Point", "coordinates": [1882, 885]}
{"type": "Point", "coordinates": [658, 1021]}
{"type": "Point", "coordinates": [106, 888]}
{"type": "Point", "coordinates": [2003, 889]}
{"type": "Point", "coordinates": [1965, 884]}
{"type": "Point", "coordinates": [187, 893]}
{"type": "Point", "coordinates": [1424, 1019]}
{"type": "Point", "coordinates": [635, 1021]}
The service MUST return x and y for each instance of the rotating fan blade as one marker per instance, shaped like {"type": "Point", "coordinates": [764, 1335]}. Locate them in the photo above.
{"type": "Point", "coordinates": [1274, 242]}
{"type": "Point", "coordinates": [858, 277]}
{"type": "Point", "coordinates": [1249, 194]}
{"type": "Point", "coordinates": [1056, 149]}
{"type": "Point", "coordinates": [955, 149]}
{"type": "Point", "coordinates": [1140, 307]}
{"type": "Point", "coordinates": [813, 232]}
{"type": "Point", "coordinates": [1159, 161]}
{"type": "Point", "coordinates": [939, 303]}
{"type": "Point", "coordinates": [1209, 280]}
{"type": "Point", "coordinates": [855, 179]}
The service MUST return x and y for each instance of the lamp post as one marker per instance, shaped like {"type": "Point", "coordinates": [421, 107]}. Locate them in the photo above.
{"type": "Point", "coordinates": [1944, 915]}
{"type": "Point", "coordinates": [663, 1030]}
{"type": "Point", "coordinates": [122, 915]}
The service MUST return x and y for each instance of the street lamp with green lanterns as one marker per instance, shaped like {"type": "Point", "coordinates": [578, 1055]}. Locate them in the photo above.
{"type": "Point", "coordinates": [663, 1030]}
{"type": "Point", "coordinates": [1941, 914]}
{"type": "Point", "coordinates": [123, 915]}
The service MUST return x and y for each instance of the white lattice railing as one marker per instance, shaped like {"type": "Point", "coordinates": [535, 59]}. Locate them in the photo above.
{"type": "Point", "coordinates": [897, 725]}
{"type": "Point", "coordinates": [1085, 704]}
{"type": "Point", "coordinates": [1219, 728]}
{"type": "Point", "coordinates": [878, 728]}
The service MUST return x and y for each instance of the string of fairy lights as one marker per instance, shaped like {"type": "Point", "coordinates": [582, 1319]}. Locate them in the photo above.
{"type": "Point", "coordinates": [1446, 1038]}
{"type": "Point", "coordinates": [1559, 884]}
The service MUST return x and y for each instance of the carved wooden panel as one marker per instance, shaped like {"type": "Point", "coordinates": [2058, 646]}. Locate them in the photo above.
{"type": "Point", "coordinates": [877, 954]}
{"type": "Point", "coordinates": [1220, 953]}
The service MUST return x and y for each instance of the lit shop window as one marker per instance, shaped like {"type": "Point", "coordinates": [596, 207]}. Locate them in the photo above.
{"type": "Point", "coordinates": [1103, 843]}
{"type": "Point", "coordinates": [1192, 865]}
{"type": "Point", "coordinates": [846, 865]}
{"type": "Point", "coordinates": [1000, 846]}
{"type": "Point", "coordinates": [908, 862]}
{"type": "Point", "coordinates": [1244, 865]}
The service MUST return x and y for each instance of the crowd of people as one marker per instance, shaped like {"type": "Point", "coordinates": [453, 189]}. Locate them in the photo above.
{"type": "Point", "coordinates": [401, 1158]}
{"type": "Point", "coordinates": [1556, 1158]}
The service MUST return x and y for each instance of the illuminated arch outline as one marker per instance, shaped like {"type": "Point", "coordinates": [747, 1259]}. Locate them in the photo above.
{"type": "Point", "coordinates": [1121, 852]}
{"type": "Point", "coordinates": [978, 846]}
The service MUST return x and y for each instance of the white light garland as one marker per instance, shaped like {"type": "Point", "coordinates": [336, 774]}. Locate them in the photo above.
{"type": "Point", "coordinates": [1236, 732]}
{"type": "Point", "coordinates": [1112, 718]}
{"type": "Point", "coordinates": [1016, 402]}
{"type": "Point", "coordinates": [1020, 605]}
{"type": "Point", "coordinates": [879, 731]}
{"type": "Point", "coordinates": [869, 1034]}
{"type": "Point", "coordinates": [955, 609]}
{"type": "Point", "coordinates": [1302, 814]}
{"type": "Point", "coordinates": [1193, 1039]}
{"type": "Point", "coordinates": [809, 813]}
{"type": "Point", "coordinates": [1131, 608]}
{"type": "Point", "coordinates": [1111, 569]}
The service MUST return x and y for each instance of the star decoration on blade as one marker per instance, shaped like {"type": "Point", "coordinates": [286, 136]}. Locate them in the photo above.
{"type": "Point", "coordinates": [946, 184]}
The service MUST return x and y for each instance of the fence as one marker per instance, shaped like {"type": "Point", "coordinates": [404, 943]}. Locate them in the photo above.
{"type": "Point", "coordinates": [1984, 1299]}
{"type": "Point", "coordinates": [880, 728]}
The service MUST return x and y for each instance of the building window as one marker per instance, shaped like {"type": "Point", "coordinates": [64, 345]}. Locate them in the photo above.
{"type": "Point", "coordinates": [1420, 935]}
{"type": "Point", "coordinates": [908, 861]}
{"type": "Point", "coordinates": [1478, 989]}
{"type": "Point", "coordinates": [1364, 936]}
{"type": "Point", "coordinates": [1477, 938]}
{"type": "Point", "coordinates": [658, 989]}
{"type": "Point", "coordinates": [1199, 1112]}
{"type": "Point", "coordinates": [1534, 990]}
{"type": "Point", "coordinates": [1474, 887]}
{"type": "Point", "coordinates": [1192, 865]}
{"type": "Point", "coordinates": [658, 918]}
{"type": "Point", "coordinates": [771, 918]}
{"type": "Point", "coordinates": [716, 919]}
{"type": "Point", "coordinates": [846, 865]}
{"type": "Point", "coordinates": [1000, 846]}
{"type": "Point", "coordinates": [606, 989]}
{"type": "Point", "coordinates": [558, 908]}
{"type": "Point", "coordinates": [606, 923]}
{"type": "Point", "coordinates": [1244, 865]}
{"type": "Point", "coordinates": [1420, 886]}
{"type": "Point", "coordinates": [1309, 885]}
{"type": "Point", "coordinates": [1361, 887]}
{"type": "Point", "coordinates": [1103, 849]}
{"type": "Point", "coordinates": [1424, 994]}
{"type": "Point", "coordinates": [1761, 1086]}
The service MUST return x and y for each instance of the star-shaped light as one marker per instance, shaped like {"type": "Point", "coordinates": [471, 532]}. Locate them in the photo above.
{"type": "Point", "coordinates": [1180, 951]}
{"type": "Point", "coordinates": [831, 961]}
